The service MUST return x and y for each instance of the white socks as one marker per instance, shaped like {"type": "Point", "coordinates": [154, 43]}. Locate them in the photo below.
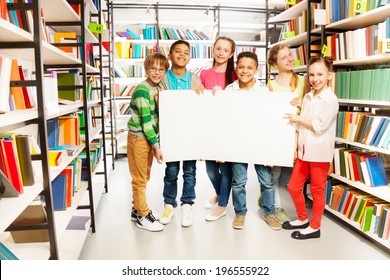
{"type": "Point", "coordinates": [298, 222]}
{"type": "Point", "coordinates": [308, 230]}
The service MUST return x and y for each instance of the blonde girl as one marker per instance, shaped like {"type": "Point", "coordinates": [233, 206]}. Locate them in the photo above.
{"type": "Point", "coordinates": [280, 57]}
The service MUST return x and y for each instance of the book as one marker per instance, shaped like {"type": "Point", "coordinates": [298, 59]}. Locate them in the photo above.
{"type": "Point", "coordinates": [58, 186]}
{"type": "Point", "coordinates": [17, 92]}
{"type": "Point", "coordinates": [55, 157]}
{"type": "Point", "coordinates": [26, 169]}
{"type": "Point", "coordinates": [6, 254]}
{"type": "Point", "coordinates": [52, 132]}
{"type": "Point", "coordinates": [13, 163]}
{"type": "Point", "coordinates": [366, 220]}
{"type": "Point", "coordinates": [5, 78]}
{"type": "Point", "coordinates": [6, 188]}
{"type": "Point", "coordinates": [68, 80]}
{"type": "Point", "coordinates": [376, 171]}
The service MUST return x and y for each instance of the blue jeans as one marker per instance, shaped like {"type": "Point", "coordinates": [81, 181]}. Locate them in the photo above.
{"type": "Point", "coordinates": [170, 182]}
{"type": "Point", "coordinates": [239, 179]}
{"type": "Point", "coordinates": [220, 175]}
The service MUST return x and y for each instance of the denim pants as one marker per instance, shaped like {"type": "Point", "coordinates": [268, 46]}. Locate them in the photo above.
{"type": "Point", "coordinates": [280, 177]}
{"type": "Point", "coordinates": [220, 175]}
{"type": "Point", "coordinates": [239, 180]}
{"type": "Point", "coordinates": [170, 182]}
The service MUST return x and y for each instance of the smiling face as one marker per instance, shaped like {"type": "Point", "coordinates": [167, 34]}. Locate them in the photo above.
{"type": "Point", "coordinates": [155, 73]}
{"type": "Point", "coordinates": [284, 60]}
{"type": "Point", "coordinates": [222, 51]}
{"type": "Point", "coordinates": [319, 76]}
{"type": "Point", "coordinates": [246, 70]}
{"type": "Point", "coordinates": [180, 55]}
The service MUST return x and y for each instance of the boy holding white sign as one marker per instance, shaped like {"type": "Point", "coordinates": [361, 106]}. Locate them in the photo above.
{"type": "Point", "coordinates": [247, 67]}
{"type": "Point", "coordinates": [179, 78]}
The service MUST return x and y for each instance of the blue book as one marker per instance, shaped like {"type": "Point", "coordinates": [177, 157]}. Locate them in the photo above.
{"type": "Point", "coordinates": [6, 254]}
{"type": "Point", "coordinates": [52, 133]}
{"type": "Point", "coordinates": [381, 132]}
{"type": "Point", "coordinates": [342, 199]}
{"type": "Point", "coordinates": [58, 186]}
{"type": "Point", "coordinates": [376, 171]}
{"type": "Point", "coordinates": [377, 131]}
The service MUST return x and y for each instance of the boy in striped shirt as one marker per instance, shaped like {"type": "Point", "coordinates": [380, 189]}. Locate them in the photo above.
{"type": "Point", "coordinates": [142, 139]}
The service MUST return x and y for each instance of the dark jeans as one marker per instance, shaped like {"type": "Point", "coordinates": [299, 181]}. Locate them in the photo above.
{"type": "Point", "coordinates": [170, 182]}
{"type": "Point", "coordinates": [220, 175]}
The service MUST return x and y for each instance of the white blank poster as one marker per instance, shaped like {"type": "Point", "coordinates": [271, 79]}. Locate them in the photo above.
{"type": "Point", "coordinates": [230, 126]}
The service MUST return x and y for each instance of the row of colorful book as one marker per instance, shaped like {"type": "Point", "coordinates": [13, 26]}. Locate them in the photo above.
{"type": "Point", "coordinates": [127, 90]}
{"type": "Point", "coordinates": [348, 45]}
{"type": "Point", "coordinates": [341, 9]}
{"type": "Point", "coordinates": [365, 128]}
{"type": "Point", "coordinates": [163, 33]}
{"type": "Point", "coordinates": [362, 166]}
{"type": "Point", "coordinates": [128, 71]}
{"type": "Point", "coordinates": [372, 214]}
{"type": "Point", "coordinates": [369, 84]}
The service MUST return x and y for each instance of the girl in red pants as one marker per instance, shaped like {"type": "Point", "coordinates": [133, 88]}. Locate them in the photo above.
{"type": "Point", "coordinates": [316, 130]}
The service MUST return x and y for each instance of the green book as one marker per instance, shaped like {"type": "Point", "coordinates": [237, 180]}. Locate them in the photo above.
{"type": "Point", "coordinates": [384, 89]}
{"type": "Point", "coordinates": [366, 85]}
{"type": "Point", "coordinates": [68, 80]}
{"type": "Point", "coordinates": [347, 82]}
{"type": "Point", "coordinates": [339, 92]}
{"type": "Point", "coordinates": [367, 217]}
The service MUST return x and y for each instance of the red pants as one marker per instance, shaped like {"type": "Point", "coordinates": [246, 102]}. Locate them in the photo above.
{"type": "Point", "coordinates": [318, 172]}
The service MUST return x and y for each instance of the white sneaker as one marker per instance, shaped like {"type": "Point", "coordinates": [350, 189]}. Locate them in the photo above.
{"type": "Point", "coordinates": [186, 215]}
{"type": "Point", "coordinates": [167, 215]}
{"type": "Point", "coordinates": [149, 222]}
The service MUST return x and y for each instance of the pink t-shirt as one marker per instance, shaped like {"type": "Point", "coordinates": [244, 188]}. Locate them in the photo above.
{"type": "Point", "coordinates": [210, 78]}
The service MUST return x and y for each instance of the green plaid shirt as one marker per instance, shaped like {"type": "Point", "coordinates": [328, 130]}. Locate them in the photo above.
{"type": "Point", "coordinates": [144, 118]}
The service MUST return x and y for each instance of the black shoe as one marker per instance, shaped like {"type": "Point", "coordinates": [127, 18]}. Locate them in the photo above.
{"type": "Point", "coordinates": [133, 214]}
{"type": "Point", "coordinates": [287, 225]}
{"type": "Point", "coordinates": [301, 236]}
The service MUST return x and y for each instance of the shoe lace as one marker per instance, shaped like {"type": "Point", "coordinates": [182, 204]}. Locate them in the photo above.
{"type": "Point", "coordinates": [272, 218]}
{"type": "Point", "coordinates": [150, 217]}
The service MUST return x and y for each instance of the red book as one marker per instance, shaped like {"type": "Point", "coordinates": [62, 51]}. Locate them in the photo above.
{"type": "Point", "coordinates": [12, 159]}
{"type": "Point", "coordinates": [3, 160]}
{"type": "Point", "coordinates": [26, 96]}
{"type": "Point", "coordinates": [3, 9]}
{"type": "Point", "coordinates": [69, 185]}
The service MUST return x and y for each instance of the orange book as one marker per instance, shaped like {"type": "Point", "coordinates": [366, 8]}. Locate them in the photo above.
{"type": "Point", "coordinates": [17, 92]}
{"type": "Point", "coordinates": [62, 37]}
{"type": "Point", "coordinates": [68, 134]}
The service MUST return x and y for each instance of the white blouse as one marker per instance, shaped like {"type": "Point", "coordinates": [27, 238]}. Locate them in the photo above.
{"type": "Point", "coordinates": [321, 109]}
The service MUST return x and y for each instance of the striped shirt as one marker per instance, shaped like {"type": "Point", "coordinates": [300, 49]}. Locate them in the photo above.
{"type": "Point", "coordinates": [144, 118]}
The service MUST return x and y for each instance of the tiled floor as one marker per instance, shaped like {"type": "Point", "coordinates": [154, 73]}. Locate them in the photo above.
{"type": "Point", "coordinates": [117, 238]}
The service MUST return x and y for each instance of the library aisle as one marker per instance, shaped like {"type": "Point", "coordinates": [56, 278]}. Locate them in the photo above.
{"type": "Point", "coordinates": [117, 237]}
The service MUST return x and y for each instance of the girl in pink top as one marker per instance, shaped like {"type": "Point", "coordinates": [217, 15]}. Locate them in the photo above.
{"type": "Point", "coordinates": [218, 77]}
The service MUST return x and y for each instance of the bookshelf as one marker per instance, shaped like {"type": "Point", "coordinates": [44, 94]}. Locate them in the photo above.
{"type": "Point", "coordinates": [44, 57]}
{"type": "Point", "coordinates": [376, 59]}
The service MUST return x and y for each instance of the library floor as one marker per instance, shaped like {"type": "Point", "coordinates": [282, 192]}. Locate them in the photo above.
{"type": "Point", "coordinates": [117, 238]}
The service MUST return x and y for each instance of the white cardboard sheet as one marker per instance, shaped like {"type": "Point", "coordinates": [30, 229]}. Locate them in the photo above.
{"type": "Point", "coordinates": [230, 126]}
